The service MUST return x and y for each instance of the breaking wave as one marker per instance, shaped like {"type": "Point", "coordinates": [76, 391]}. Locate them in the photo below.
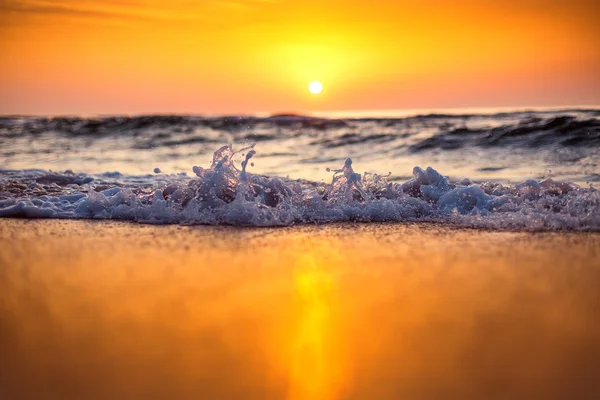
{"type": "Point", "coordinates": [226, 193]}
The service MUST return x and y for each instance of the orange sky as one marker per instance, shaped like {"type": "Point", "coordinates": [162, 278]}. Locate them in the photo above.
{"type": "Point", "coordinates": [246, 56]}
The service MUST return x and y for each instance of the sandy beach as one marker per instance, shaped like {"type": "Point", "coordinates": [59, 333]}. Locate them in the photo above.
{"type": "Point", "coordinates": [104, 310]}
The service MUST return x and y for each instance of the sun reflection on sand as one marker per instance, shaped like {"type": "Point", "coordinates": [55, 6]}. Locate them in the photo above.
{"type": "Point", "coordinates": [384, 312]}
{"type": "Point", "coordinates": [313, 361]}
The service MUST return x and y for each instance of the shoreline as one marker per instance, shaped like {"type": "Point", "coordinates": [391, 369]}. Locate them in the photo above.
{"type": "Point", "coordinates": [450, 225]}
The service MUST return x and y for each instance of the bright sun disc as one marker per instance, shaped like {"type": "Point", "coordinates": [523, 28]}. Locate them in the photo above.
{"type": "Point", "coordinates": [315, 87]}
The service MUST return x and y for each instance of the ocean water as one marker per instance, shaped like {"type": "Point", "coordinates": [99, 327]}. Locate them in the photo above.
{"type": "Point", "coordinates": [525, 170]}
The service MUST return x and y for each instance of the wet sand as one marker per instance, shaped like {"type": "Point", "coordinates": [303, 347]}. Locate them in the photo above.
{"type": "Point", "coordinates": [107, 310]}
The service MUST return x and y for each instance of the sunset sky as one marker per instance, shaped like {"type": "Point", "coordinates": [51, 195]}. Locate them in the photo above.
{"type": "Point", "coordinates": [247, 56]}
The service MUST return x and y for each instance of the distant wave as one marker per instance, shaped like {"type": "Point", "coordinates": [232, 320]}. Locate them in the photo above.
{"type": "Point", "coordinates": [530, 132]}
{"type": "Point", "coordinates": [572, 128]}
{"type": "Point", "coordinates": [140, 124]}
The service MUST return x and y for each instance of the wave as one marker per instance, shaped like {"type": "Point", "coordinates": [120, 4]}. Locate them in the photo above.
{"type": "Point", "coordinates": [226, 193]}
{"type": "Point", "coordinates": [531, 132]}
{"type": "Point", "coordinates": [79, 126]}
{"type": "Point", "coordinates": [573, 128]}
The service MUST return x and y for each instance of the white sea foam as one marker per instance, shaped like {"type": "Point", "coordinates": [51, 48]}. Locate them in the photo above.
{"type": "Point", "coordinates": [224, 194]}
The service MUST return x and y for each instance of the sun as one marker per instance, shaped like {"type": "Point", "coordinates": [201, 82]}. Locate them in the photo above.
{"type": "Point", "coordinates": [315, 87]}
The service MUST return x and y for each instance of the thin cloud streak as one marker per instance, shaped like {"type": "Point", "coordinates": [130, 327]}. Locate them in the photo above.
{"type": "Point", "coordinates": [178, 9]}
{"type": "Point", "coordinates": [56, 8]}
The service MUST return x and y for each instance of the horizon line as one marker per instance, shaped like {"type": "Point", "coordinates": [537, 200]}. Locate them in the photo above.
{"type": "Point", "coordinates": [367, 113]}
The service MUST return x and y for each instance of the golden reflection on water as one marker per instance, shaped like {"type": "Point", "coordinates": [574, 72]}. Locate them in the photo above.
{"type": "Point", "coordinates": [312, 360]}
{"type": "Point", "coordinates": [119, 311]}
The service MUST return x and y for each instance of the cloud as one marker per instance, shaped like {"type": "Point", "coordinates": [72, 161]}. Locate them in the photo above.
{"type": "Point", "coordinates": [119, 7]}
{"type": "Point", "coordinates": [110, 9]}
{"type": "Point", "coordinates": [206, 12]}
{"type": "Point", "coordinates": [209, 15]}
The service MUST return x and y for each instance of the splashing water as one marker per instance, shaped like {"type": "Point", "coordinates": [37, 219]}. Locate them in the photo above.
{"type": "Point", "coordinates": [224, 194]}
{"type": "Point", "coordinates": [507, 146]}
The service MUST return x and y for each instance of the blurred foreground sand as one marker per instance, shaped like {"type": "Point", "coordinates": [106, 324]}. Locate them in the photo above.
{"type": "Point", "coordinates": [108, 310]}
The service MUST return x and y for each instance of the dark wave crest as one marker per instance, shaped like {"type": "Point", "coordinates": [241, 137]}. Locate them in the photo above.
{"type": "Point", "coordinates": [532, 132]}
{"type": "Point", "coordinates": [139, 124]}
{"type": "Point", "coordinates": [579, 128]}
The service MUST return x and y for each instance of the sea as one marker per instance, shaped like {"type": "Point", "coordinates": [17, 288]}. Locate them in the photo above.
{"type": "Point", "coordinates": [503, 169]}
